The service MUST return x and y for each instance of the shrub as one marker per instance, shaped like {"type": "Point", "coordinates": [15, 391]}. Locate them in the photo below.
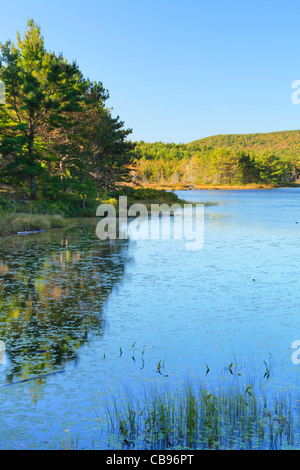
{"type": "Point", "coordinates": [6, 206]}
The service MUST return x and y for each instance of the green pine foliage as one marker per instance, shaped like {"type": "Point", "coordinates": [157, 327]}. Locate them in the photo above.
{"type": "Point", "coordinates": [58, 140]}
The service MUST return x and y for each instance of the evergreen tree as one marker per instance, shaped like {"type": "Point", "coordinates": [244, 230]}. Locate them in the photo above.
{"type": "Point", "coordinates": [42, 90]}
{"type": "Point", "coordinates": [57, 136]}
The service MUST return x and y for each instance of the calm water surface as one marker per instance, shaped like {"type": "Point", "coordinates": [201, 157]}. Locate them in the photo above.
{"type": "Point", "coordinates": [89, 320]}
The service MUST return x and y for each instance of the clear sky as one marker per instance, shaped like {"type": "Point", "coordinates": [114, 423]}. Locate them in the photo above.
{"type": "Point", "coordinates": [178, 70]}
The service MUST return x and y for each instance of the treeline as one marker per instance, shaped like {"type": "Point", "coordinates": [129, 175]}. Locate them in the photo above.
{"type": "Point", "coordinates": [172, 164]}
{"type": "Point", "coordinates": [58, 140]}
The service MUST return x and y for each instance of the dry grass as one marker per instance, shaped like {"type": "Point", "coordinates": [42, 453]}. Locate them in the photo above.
{"type": "Point", "coordinates": [14, 223]}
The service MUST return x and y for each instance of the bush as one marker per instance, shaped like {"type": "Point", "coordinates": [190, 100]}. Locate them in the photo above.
{"type": "Point", "coordinates": [68, 208]}
{"type": "Point", "coordinates": [145, 194]}
{"type": "Point", "coordinates": [155, 194]}
{"type": "Point", "coordinates": [6, 206]}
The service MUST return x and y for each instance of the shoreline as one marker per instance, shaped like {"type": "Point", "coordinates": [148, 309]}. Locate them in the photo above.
{"type": "Point", "coordinates": [193, 187]}
{"type": "Point", "coordinates": [22, 224]}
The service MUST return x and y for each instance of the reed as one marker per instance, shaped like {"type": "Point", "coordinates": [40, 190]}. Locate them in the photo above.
{"type": "Point", "coordinates": [196, 418]}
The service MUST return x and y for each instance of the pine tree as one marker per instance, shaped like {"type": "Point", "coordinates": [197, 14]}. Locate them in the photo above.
{"type": "Point", "coordinates": [42, 91]}
{"type": "Point", "coordinates": [58, 139]}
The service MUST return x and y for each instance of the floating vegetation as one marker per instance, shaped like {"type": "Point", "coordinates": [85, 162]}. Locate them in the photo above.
{"type": "Point", "coordinates": [159, 366]}
{"type": "Point", "coordinates": [267, 371]}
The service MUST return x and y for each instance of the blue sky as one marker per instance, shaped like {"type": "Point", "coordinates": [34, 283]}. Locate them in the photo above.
{"type": "Point", "coordinates": [178, 70]}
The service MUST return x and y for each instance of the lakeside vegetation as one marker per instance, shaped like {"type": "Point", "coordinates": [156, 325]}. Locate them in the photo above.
{"type": "Point", "coordinates": [43, 215]}
{"type": "Point", "coordinates": [14, 223]}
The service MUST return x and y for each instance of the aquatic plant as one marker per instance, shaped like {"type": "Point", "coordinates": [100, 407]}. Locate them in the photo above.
{"type": "Point", "coordinates": [197, 418]}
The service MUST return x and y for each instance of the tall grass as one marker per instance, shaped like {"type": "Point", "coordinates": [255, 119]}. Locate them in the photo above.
{"type": "Point", "coordinates": [14, 223]}
{"type": "Point", "coordinates": [195, 418]}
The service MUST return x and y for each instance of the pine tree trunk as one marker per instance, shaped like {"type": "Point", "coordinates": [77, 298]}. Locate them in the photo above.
{"type": "Point", "coordinates": [33, 188]}
{"type": "Point", "coordinates": [33, 195]}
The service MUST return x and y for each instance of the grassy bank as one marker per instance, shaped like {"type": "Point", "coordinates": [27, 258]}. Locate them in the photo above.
{"type": "Point", "coordinates": [14, 223]}
{"type": "Point", "coordinates": [44, 215]}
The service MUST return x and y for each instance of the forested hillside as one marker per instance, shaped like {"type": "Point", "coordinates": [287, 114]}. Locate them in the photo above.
{"type": "Point", "coordinates": [284, 144]}
{"type": "Point", "coordinates": [272, 158]}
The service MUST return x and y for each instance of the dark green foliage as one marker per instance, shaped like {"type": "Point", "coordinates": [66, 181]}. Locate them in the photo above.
{"type": "Point", "coordinates": [58, 140]}
{"type": "Point", "coordinates": [6, 206]}
{"type": "Point", "coordinates": [249, 169]}
{"type": "Point", "coordinates": [145, 194]}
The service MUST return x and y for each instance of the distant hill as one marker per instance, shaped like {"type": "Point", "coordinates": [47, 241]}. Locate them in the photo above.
{"type": "Point", "coordinates": [284, 144]}
{"type": "Point", "coordinates": [266, 158]}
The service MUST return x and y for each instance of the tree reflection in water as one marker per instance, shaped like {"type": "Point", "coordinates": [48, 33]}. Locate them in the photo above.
{"type": "Point", "coordinates": [52, 290]}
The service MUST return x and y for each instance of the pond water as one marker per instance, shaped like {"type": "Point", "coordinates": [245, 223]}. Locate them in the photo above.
{"type": "Point", "coordinates": [89, 320]}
